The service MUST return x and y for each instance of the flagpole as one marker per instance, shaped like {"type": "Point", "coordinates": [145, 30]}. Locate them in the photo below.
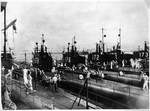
{"type": "Point", "coordinates": [120, 37]}
{"type": "Point", "coordinates": [103, 38]}
{"type": "Point", "coordinates": [5, 33]}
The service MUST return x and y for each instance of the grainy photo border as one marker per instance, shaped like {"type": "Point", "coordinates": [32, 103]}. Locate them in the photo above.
{"type": "Point", "coordinates": [147, 2]}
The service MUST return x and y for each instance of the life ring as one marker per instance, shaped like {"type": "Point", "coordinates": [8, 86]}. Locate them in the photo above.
{"type": "Point", "coordinates": [81, 77]}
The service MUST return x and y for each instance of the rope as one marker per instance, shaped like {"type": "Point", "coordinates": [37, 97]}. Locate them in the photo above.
{"type": "Point", "coordinates": [13, 38]}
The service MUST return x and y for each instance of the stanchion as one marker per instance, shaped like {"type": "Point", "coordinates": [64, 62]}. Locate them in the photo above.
{"type": "Point", "coordinates": [85, 85]}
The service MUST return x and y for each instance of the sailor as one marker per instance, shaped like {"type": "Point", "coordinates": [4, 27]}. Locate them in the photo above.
{"type": "Point", "coordinates": [141, 75]}
{"type": "Point", "coordinates": [9, 74]}
{"type": "Point", "coordinates": [3, 70]}
{"type": "Point", "coordinates": [145, 84]}
{"type": "Point", "coordinates": [123, 63]}
{"type": "Point", "coordinates": [73, 67]}
{"type": "Point", "coordinates": [53, 70]}
{"type": "Point", "coordinates": [29, 77]}
{"type": "Point", "coordinates": [12, 68]}
{"type": "Point", "coordinates": [101, 74]}
{"type": "Point", "coordinates": [29, 80]}
{"type": "Point", "coordinates": [43, 78]}
{"type": "Point", "coordinates": [111, 65]}
{"type": "Point", "coordinates": [85, 69]}
{"type": "Point", "coordinates": [88, 74]}
{"type": "Point", "coordinates": [31, 63]}
{"type": "Point", "coordinates": [132, 63]}
{"type": "Point", "coordinates": [55, 82]}
{"type": "Point", "coordinates": [59, 78]}
{"type": "Point", "coordinates": [65, 65]}
{"type": "Point", "coordinates": [51, 82]}
{"type": "Point", "coordinates": [104, 64]}
{"type": "Point", "coordinates": [121, 73]}
{"type": "Point", "coordinates": [25, 71]}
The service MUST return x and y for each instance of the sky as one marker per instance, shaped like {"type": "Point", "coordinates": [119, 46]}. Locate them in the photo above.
{"type": "Point", "coordinates": [62, 20]}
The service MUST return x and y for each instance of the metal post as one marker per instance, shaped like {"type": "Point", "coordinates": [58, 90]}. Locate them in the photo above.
{"type": "Point", "coordinates": [68, 52]}
{"type": "Point", "coordinates": [145, 49]}
{"type": "Point", "coordinates": [120, 37]}
{"type": "Point", "coordinates": [82, 88]}
{"type": "Point", "coordinates": [87, 107]}
{"type": "Point", "coordinates": [36, 71]}
{"type": "Point", "coordinates": [5, 33]}
{"type": "Point", "coordinates": [25, 57]}
{"type": "Point", "coordinates": [103, 38]}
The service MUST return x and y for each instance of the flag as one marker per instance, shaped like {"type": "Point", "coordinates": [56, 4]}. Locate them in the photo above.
{"type": "Point", "coordinates": [14, 27]}
{"type": "Point", "coordinates": [10, 24]}
{"type": "Point", "coordinates": [3, 5]}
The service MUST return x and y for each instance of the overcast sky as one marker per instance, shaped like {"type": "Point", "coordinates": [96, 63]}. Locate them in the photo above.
{"type": "Point", "coordinates": [60, 21]}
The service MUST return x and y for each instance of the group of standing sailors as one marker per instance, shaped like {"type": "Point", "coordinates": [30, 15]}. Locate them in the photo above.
{"type": "Point", "coordinates": [40, 75]}
{"type": "Point", "coordinates": [143, 77]}
{"type": "Point", "coordinates": [134, 63]}
{"type": "Point", "coordinates": [28, 80]}
{"type": "Point", "coordinates": [52, 81]}
{"type": "Point", "coordinates": [89, 72]}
